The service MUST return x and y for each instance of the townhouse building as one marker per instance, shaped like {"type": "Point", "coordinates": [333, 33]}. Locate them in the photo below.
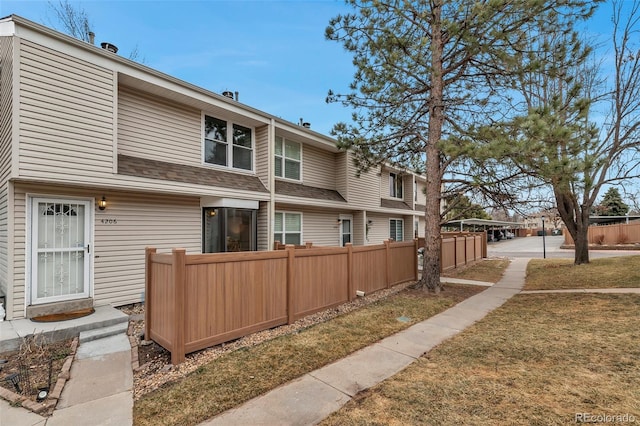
{"type": "Point", "coordinates": [101, 157]}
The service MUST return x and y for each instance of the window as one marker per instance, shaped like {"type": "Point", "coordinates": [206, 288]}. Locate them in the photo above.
{"type": "Point", "coordinates": [396, 229]}
{"type": "Point", "coordinates": [288, 228]}
{"type": "Point", "coordinates": [288, 156]}
{"type": "Point", "coordinates": [228, 229]}
{"type": "Point", "coordinates": [395, 185]}
{"type": "Point", "coordinates": [217, 150]}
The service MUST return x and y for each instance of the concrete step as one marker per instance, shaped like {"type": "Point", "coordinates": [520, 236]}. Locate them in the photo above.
{"type": "Point", "coordinates": [100, 333]}
{"type": "Point", "coordinates": [13, 332]}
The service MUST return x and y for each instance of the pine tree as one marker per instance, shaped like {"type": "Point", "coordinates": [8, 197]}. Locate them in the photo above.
{"type": "Point", "coordinates": [612, 204]}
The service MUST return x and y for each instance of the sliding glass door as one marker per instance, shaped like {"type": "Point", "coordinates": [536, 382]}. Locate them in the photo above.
{"type": "Point", "coordinates": [228, 229]}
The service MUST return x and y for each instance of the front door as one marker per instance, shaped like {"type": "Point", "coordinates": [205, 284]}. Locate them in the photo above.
{"type": "Point", "coordinates": [60, 248]}
{"type": "Point", "coordinates": [346, 230]}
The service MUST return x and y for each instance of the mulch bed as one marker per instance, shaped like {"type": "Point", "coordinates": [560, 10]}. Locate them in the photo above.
{"type": "Point", "coordinates": [36, 366]}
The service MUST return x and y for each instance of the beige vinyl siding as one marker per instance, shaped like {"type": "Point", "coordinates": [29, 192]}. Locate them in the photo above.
{"type": "Point", "coordinates": [409, 228]}
{"type": "Point", "coordinates": [421, 226]}
{"type": "Point", "coordinates": [385, 185]}
{"type": "Point", "coordinates": [422, 197]}
{"type": "Point", "coordinates": [341, 174]}
{"type": "Point", "coordinates": [379, 229]}
{"type": "Point", "coordinates": [320, 227]}
{"type": "Point", "coordinates": [6, 117]}
{"type": "Point", "coordinates": [66, 116]}
{"type": "Point", "coordinates": [359, 230]}
{"type": "Point", "coordinates": [408, 190]}
{"type": "Point", "coordinates": [364, 191]}
{"type": "Point", "coordinates": [262, 154]}
{"type": "Point", "coordinates": [142, 220]}
{"type": "Point", "coordinates": [19, 259]}
{"type": "Point", "coordinates": [263, 226]}
{"type": "Point", "coordinates": [154, 128]}
{"type": "Point", "coordinates": [318, 167]}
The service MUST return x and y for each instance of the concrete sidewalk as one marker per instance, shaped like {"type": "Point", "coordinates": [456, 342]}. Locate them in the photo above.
{"type": "Point", "coordinates": [314, 396]}
{"type": "Point", "coordinates": [100, 388]}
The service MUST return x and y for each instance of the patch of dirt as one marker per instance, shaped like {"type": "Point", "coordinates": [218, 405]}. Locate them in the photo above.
{"type": "Point", "coordinates": [155, 368]}
{"type": "Point", "coordinates": [36, 365]}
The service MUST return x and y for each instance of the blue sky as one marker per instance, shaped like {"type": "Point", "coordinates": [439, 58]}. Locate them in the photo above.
{"type": "Point", "coordinates": [273, 52]}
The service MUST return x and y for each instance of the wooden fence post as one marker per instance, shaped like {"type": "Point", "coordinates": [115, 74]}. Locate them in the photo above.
{"type": "Point", "coordinates": [291, 257]}
{"type": "Point", "coordinates": [148, 284]}
{"type": "Point", "coordinates": [351, 291]}
{"type": "Point", "coordinates": [179, 271]}
{"type": "Point", "coordinates": [387, 253]}
{"type": "Point", "coordinates": [415, 256]}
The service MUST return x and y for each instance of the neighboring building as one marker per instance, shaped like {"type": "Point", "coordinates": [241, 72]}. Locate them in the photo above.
{"type": "Point", "coordinates": [101, 157]}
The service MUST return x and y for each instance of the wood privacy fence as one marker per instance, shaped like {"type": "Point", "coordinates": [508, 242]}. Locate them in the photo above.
{"type": "Point", "coordinates": [460, 248]}
{"type": "Point", "coordinates": [194, 301]}
{"type": "Point", "coordinates": [620, 233]}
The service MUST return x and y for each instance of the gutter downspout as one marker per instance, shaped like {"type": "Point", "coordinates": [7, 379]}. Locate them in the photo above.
{"type": "Point", "coordinates": [271, 180]}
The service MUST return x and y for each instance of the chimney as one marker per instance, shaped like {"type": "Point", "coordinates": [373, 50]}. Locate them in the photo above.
{"type": "Point", "coordinates": [92, 37]}
{"type": "Point", "coordinates": [110, 47]}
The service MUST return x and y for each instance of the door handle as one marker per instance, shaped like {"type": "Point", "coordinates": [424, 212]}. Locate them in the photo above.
{"type": "Point", "coordinates": [88, 248]}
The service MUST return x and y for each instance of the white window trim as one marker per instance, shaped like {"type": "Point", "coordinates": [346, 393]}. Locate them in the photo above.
{"type": "Point", "coordinates": [229, 166]}
{"type": "Point", "coordinates": [396, 219]}
{"type": "Point", "coordinates": [392, 183]}
{"type": "Point", "coordinates": [283, 157]}
{"type": "Point", "coordinates": [285, 212]}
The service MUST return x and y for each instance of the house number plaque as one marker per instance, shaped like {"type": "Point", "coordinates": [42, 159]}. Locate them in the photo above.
{"type": "Point", "coordinates": [109, 221]}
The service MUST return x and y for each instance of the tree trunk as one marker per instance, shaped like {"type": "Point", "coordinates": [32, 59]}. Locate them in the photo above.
{"type": "Point", "coordinates": [432, 249]}
{"type": "Point", "coordinates": [581, 239]}
{"type": "Point", "coordinates": [576, 220]}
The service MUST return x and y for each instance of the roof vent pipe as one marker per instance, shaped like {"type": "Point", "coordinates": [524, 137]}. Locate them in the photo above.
{"type": "Point", "coordinates": [236, 93]}
{"type": "Point", "coordinates": [92, 37]}
{"type": "Point", "coordinates": [110, 47]}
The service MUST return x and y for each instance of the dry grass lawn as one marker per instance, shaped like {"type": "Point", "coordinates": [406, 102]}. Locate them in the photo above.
{"type": "Point", "coordinates": [487, 270]}
{"type": "Point", "coordinates": [554, 274]}
{"type": "Point", "coordinates": [537, 360]}
{"type": "Point", "coordinates": [246, 373]}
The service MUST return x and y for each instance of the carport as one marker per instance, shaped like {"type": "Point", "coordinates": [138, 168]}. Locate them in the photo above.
{"type": "Point", "coordinates": [491, 227]}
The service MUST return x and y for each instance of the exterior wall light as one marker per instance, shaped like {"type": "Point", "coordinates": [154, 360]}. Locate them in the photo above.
{"type": "Point", "coordinates": [102, 204]}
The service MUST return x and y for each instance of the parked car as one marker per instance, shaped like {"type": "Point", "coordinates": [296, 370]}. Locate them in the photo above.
{"type": "Point", "coordinates": [509, 235]}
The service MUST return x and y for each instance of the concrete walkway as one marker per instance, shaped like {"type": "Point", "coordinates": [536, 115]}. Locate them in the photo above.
{"type": "Point", "coordinates": [100, 387]}
{"type": "Point", "coordinates": [314, 396]}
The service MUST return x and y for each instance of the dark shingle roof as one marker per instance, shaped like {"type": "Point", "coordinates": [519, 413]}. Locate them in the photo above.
{"type": "Point", "coordinates": [304, 191]}
{"type": "Point", "coordinates": [153, 169]}
{"type": "Point", "coordinates": [394, 204]}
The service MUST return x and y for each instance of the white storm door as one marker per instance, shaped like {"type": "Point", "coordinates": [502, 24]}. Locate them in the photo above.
{"type": "Point", "coordinates": [346, 230]}
{"type": "Point", "coordinates": [60, 247]}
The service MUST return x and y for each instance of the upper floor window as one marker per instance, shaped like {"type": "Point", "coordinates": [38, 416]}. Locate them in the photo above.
{"type": "Point", "coordinates": [288, 158]}
{"type": "Point", "coordinates": [227, 144]}
{"type": "Point", "coordinates": [395, 185]}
